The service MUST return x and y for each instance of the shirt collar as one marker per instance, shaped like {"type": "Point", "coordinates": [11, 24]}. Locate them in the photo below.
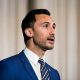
{"type": "Point", "coordinates": [31, 56]}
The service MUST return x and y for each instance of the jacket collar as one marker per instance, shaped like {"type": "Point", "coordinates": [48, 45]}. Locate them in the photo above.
{"type": "Point", "coordinates": [27, 65]}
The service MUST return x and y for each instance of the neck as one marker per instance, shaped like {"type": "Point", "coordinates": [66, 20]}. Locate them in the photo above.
{"type": "Point", "coordinates": [37, 50]}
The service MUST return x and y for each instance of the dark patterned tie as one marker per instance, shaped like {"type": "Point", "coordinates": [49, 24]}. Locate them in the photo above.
{"type": "Point", "coordinates": [44, 71]}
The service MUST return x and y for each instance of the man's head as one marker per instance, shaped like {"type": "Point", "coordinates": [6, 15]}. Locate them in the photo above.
{"type": "Point", "coordinates": [30, 19]}
{"type": "Point", "coordinates": [38, 26]}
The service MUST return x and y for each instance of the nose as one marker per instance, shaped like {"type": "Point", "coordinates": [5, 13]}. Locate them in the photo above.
{"type": "Point", "coordinates": [52, 30]}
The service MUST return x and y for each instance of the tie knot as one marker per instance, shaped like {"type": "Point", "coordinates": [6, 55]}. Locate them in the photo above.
{"type": "Point", "coordinates": [41, 61]}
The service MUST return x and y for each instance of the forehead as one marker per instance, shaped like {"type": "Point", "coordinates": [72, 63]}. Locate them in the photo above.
{"type": "Point", "coordinates": [43, 17]}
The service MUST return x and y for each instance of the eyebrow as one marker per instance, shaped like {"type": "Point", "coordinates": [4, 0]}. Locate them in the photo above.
{"type": "Point", "coordinates": [45, 22]}
{"type": "Point", "coordinates": [54, 24]}
{"type": "Point", "coordinates": [49, 23]}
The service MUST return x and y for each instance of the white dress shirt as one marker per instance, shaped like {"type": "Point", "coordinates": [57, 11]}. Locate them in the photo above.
{"type": "Point", "coordinates": [33, 58]}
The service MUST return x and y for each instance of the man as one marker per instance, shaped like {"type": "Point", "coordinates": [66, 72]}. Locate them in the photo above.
{"type": "Point", "coordinates": [39, 34]}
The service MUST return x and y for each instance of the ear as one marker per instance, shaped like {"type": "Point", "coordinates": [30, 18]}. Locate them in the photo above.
{"type": "Point", "coordinates": [29, 32]}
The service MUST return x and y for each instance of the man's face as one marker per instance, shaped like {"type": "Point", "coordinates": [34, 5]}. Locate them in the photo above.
{"type": "Point", "coordinates": [43, 32]}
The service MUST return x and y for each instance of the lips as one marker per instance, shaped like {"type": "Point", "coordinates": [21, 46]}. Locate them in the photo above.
{"type": "Point", "coordinates": [51, 39]}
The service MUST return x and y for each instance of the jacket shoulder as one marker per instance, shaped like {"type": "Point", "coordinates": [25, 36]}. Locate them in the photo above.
{"type": "Point", "coordinates": [5, 66]}
{"type": "Point", "coordinates": [10, 59]}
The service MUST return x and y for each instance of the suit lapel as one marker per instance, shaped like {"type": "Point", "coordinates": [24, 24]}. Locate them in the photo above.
{"type": "Point", "coordinates": [27, 65]}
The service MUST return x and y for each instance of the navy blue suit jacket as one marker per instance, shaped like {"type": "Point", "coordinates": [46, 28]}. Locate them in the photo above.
{"type": "Point", "coordinates": [19, 68]}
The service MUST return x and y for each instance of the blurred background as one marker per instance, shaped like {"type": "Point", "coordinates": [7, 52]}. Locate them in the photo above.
{"type": "Point", "coordinates": [65, 57]}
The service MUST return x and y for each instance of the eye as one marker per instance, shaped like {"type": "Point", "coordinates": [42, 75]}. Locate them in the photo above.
{"type": "Point", "coordinates": [54, 25]}
{"type": "Point", "coordinates": [45, 25]}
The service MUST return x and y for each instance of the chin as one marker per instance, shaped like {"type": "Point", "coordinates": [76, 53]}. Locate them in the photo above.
{"type": "Point", "coordinates": [49, 48]}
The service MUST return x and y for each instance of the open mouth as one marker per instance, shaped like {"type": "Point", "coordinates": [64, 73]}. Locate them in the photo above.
{"type": "Point", "coordinates": [51, 40]}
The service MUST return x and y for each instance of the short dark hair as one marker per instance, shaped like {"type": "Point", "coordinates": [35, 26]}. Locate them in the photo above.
{"type": "Point", "coordinates": [30, 19]}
